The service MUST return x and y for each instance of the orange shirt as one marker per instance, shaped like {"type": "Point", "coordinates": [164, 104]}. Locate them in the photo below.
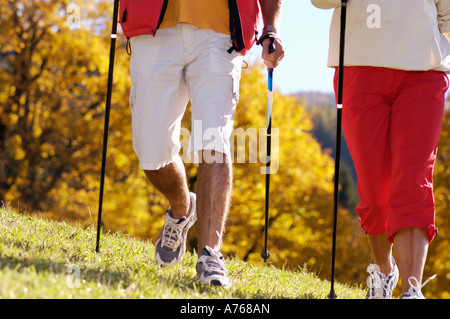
{"type": "Point", "coordinates": [204, 14]}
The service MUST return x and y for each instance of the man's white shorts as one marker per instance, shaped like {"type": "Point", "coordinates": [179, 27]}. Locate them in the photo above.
{"type": "Point", "coordinates": [179, 64]}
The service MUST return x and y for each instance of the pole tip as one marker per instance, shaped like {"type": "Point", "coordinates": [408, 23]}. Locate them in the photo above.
{"type": "Point", "coordinates": [265, 254]}
{"type": "Point", "coordinates": [332, 295]}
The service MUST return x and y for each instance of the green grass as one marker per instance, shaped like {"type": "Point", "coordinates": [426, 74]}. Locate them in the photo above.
{"type": "Point", "coordinates": [56, 260]}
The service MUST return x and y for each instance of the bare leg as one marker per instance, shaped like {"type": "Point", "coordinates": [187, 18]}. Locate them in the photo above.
{"type": "Point", "coordinates": [171, 181]}
{"type": "Point", "coordinates": [411, 248]}
{"type": "Point", "coordinates": [213, 199]}
{"type": "Point", "coordinates": [382, 252]}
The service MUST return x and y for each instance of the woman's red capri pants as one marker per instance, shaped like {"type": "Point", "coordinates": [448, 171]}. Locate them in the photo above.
{"type": "Point", "coordinates": [392, 121]}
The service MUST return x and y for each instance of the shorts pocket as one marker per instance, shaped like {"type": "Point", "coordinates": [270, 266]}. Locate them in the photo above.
{"type": "Point", "coordinates": [132, 98]}
{"type": "Point", "coordinates": [236, 78]}
{"type": "Point", "coordinates": [132, 101]}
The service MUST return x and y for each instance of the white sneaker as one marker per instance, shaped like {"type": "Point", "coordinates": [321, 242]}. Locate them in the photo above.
{"type": "Point", "coordinates": [380, 285]}
{"type": "Point", "coordinates": [211, 268]}
{"type": "Point", "coordinates": [414, 292]}
{"type": "Point", "coordinates": [171, 243]}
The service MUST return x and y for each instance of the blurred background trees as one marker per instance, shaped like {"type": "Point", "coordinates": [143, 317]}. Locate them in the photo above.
{"type": "Point", "coordinates": [53, 72]}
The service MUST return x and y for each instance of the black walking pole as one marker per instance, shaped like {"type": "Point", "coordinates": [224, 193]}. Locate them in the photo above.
{"type": "Point", "coordinates": [265, 253]}
{"type": "Point", "coordinates": [337, 156]}
{"type": "Point", "coordinates": [107, 112]}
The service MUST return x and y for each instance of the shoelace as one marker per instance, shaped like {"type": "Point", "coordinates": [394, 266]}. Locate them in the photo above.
{"type": "Point", "coordinates": [172, 230]}
{"type": "Point", "coordinates": [214, 263]}
{"type": "Point", "coordinates": [414, 283]}
{"type": "Point", "coordinates": [171, 233]}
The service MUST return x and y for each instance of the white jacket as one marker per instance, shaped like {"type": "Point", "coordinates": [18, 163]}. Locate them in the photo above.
{"type": "Point", "coordinates": [398, 34]}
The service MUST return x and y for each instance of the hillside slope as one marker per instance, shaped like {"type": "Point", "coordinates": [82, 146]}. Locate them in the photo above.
{"type": "Point", "coordinates": [56, 260]}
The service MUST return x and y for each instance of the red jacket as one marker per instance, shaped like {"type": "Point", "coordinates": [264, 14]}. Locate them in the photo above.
{"type": "Point", "coordinates": [144, 17]}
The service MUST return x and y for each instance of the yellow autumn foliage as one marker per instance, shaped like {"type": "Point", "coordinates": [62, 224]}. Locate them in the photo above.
{"type": "Point", "coordinates": [52, 96]}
